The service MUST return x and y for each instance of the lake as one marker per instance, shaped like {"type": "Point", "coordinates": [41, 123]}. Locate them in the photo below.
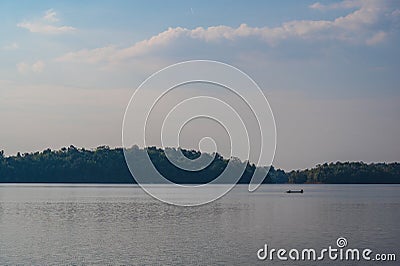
{"type": "Point", "coordinates": [122, 225]}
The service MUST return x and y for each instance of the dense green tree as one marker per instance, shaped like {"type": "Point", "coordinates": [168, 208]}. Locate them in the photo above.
{"type": "Point", "coordinates": [348, 172]}
{"type": "Point", "coordinates": [106, 165]}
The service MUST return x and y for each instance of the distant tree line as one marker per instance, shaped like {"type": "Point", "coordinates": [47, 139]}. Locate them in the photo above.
{"type": "Point", "coordinates": [348, 173]}
{"type": "Point", "coordinates": [106, 165]}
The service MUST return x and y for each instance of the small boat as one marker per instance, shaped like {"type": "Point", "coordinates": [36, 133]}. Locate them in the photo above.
{"type": "Point", "coordinates": [294, 191]}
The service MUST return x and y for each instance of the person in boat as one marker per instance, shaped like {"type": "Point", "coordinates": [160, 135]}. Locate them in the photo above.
{"type": "Point", "coordinates": [295, 191]}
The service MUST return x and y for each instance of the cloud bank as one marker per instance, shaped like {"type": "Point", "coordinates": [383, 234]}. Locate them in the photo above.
{"type": "Point", "coordinates": [359, 27]}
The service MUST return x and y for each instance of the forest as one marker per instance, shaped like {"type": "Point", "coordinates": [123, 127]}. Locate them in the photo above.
{"type": "Point", "coordinates": [107, 165]}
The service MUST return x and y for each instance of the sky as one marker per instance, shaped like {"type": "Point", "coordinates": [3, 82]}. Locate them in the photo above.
{"type": "Point", "coordinates": [329, 69]}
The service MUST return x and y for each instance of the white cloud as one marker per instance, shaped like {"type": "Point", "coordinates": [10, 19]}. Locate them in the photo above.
{"type": "Point", "coordinates": [23, 67]}
{"type": "Point", "coordinates": [37, 27]}
{"type": "Point", "coordinates": [396, 13]}
{"type": "Point", "coordinates": [346, 4]}
{"type": "Point", "coordinates": [377, 38]}
{"type": "Point", "coordinates": [317, 5]}
{"type": "Point", "coordinates": [50, 15]}
{"type": "Point", "coordinates": [44, 24]}
{"type": "Point", "coordinates": [36, 67]}
{"type": "Point", "coordinates": [356, 27]}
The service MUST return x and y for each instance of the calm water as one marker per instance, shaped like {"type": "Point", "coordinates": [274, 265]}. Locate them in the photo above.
{"type": "Point", "coordinates": [86, 225]}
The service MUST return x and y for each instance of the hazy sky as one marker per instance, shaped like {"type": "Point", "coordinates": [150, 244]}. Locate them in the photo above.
{"type": "Point", "coordinates": [330, 69]}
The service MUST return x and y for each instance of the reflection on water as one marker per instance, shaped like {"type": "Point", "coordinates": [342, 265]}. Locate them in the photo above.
{"type": "Point", "coordinates": [123, 225]}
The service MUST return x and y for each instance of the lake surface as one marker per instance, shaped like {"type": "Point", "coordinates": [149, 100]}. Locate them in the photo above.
{"type": "Point", "coordinates": [122, 225]}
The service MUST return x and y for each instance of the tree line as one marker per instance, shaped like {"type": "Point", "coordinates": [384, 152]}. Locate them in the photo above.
{"type": "Point", "coordinates": [348, 173]}
{"type": "Point", "coordinates": [107, 165]}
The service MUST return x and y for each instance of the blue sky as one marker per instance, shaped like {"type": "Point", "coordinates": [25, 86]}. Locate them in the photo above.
{"type": "Point", "coordinates": [329, 69]}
